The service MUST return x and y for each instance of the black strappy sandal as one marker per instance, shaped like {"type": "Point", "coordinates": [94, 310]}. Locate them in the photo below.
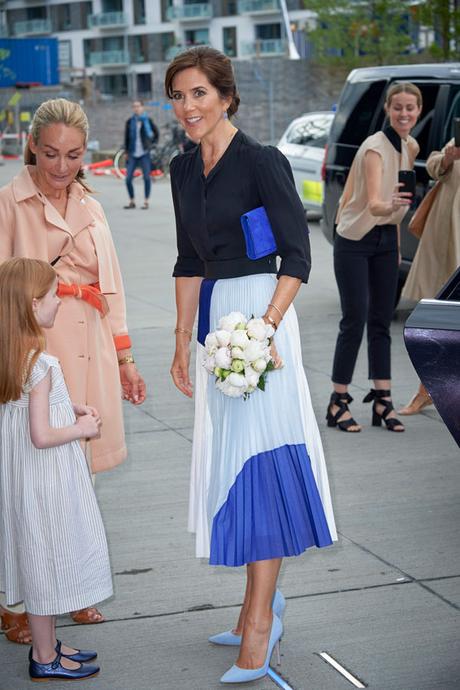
{"type": "Point", "coordinates": [341, 400]}
{"type": "Point", "coordinates": [377, 417]}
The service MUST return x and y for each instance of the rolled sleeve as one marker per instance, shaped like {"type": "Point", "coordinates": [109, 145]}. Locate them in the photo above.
{"type": "Point", "coordinates": [188, 263]}
{"type": "Point", "coordinates": [279, 196]}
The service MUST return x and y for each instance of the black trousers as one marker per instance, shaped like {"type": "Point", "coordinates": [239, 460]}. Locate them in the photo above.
{"type": "Point", "coordinates": [366, 271]}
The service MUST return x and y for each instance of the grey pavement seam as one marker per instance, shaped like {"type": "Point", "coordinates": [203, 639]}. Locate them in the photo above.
{"type": "Point", "coordinates": [410, 577]}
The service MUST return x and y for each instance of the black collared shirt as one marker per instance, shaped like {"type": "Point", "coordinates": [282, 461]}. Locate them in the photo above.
{"type": "Point", "coordinates": [208, 211]}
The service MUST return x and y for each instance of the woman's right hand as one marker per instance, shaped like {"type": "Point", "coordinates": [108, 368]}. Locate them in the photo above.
{"type": "Point", "coordinates": [400, 199]}
{"type": "Point", "coordinates": [88, 425]}
{"type": "Point", "coordinates": [180, 367]}
{"type": "Point", "coordinates": [451, 154]}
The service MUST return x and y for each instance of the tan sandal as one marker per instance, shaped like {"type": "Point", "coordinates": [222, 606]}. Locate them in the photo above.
{"type": "Point", "coordinates": [16, 626]}
{"type": "Point", "coordinates": [417, 403]}
{"type": "Point", "coordinates": [89, 616]}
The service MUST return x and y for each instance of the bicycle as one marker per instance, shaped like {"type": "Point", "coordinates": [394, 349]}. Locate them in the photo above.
{"type": "Point", "coordinates": [161, 155]}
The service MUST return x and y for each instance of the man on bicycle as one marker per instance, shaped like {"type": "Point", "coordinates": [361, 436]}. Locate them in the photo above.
{"type": "Point", "coordinates": [140, 135]}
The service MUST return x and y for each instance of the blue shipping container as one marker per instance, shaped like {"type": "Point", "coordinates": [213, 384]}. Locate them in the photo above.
{"type": "Point", "coordinates": [28, 61]}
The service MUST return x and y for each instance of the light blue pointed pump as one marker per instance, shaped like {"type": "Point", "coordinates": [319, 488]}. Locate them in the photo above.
{"type": "Point", "coordinates": [245, 675]}
{"type": "Point", "coordinates": [229, 638]}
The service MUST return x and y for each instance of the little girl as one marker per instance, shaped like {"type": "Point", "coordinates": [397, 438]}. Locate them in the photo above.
{"type": "Point", "coordinates": [53, 550]}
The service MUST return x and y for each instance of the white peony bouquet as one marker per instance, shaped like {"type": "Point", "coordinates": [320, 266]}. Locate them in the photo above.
{"type": "Point", "coordinates": [238, 354]}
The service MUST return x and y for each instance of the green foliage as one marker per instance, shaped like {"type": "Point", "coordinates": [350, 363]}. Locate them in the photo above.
{"type": "Point", "coordinates": [443, 16]}
{"type": "Point", "coordinates": [359, 33]}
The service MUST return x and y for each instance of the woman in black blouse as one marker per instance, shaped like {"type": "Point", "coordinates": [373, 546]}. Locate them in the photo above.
{"type": "Point", "coordinates": [259, 488]}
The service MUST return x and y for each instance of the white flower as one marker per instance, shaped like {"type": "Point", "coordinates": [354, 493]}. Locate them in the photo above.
{"type": "Point", "coordinates": [228, 389]}
{"type": "Point", "coordinates": [237, 380]}
{"type": "Point", "coordinates": [211, 343]}
{"type": "Point", "coordinates": [229, 322]}
{"type": "Point", "coordinates": [223, 359]}
{"type": "Point", "coordinates": [251, 376]}
{"type": "Point", "coordinates": [210, 363]}
{"type": "Point", "coordinates": [222, 337]}
{"type": "Point", "coordinates": [253, 351]}
{"type": "Point", "coordinates": [239, 339]}
{"type": "Point", "coordinates": [237, 353]}
{"type": "Point", "coordinates": [260, 365]}
{"type": "Point", "coordinates": [257, 328]}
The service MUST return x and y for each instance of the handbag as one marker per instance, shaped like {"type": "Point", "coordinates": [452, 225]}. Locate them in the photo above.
{"type": "Point", "coordinates": [258, 233]}
{"type": "Point", "coordinates": [418, 220]}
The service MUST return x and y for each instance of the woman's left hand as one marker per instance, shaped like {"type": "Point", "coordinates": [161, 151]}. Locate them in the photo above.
{"type": "Point", "coordinates": [132, 384]}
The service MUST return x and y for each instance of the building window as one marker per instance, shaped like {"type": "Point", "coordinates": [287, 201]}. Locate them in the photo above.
{"type": "Point", "coordinates": [165, 4]}
{"type": "Point", "coordinates": [144, 85]}
{"type": "Point", "coordinates": [229, 8]}
{"type": "Point", "coordinates": [229, 41]}
{"type": "Point", "coordinates": [197, 37]}
{"type": "Point", "coordinates": [65, 54]}
{"type": "Point", "coordinates": [62, 17]}
{"type": "Point", "coordinates": [112, 84]}
{"type": "Point", "coordinates": [139, 11]}
{"type": "Point", "coordinates": [266, 32]}
{"type": "Point", "coordinates": [138, 48]}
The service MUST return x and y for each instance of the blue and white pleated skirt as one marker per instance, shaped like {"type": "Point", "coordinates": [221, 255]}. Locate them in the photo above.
{"type": "Point", "coordinates": [259, 487]}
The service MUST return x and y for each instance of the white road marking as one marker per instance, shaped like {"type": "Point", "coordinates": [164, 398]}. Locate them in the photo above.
{"type": "Point", "coordinates": [338, 667]}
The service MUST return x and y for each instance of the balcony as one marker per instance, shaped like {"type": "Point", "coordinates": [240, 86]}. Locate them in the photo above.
{"type": "Point", "coordinates": [258, 6]}
{"type": "Point", "coordinates": [109, 58]}
{"type": "Point", "coordinates": [265, 47]}
{"type": "Point", "coordinates": [33, 27]}
{"type": "Point", "coordinates": [107, 20]}
{"type": "Point", "coordinates": [184, 13]}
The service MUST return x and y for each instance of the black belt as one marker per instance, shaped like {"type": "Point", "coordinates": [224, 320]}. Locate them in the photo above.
{"type": "Point", "coordinates": [235, 268]}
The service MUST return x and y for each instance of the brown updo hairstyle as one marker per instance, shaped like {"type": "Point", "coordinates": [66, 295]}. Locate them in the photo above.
{"type": "Point", "coordinates": [217, 68]}
{"type": "Point", "coordinates": [58, 111]}
{"type": "Point", "coordinates": [403, 87]}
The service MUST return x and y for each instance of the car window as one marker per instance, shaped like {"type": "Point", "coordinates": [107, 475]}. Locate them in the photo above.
{"type": "Point", "coordinates": [454, 111]}
{"type": "Point", "coordinates": [421, 131]}
{"type": "Point", "coordinates": [312, 131]}
{"type": "Point", "coordinates": [359, 121]}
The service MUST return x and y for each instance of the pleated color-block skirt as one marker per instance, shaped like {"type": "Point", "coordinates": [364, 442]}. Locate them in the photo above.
{"type": "Point", "coordinates": [259, 487]}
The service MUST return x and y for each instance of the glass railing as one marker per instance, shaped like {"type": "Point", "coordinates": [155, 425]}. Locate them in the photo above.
{"type": "Point", "coordinates": [250, 6]}
{"type": "Point", "coordinates": [264, 47]}
{"type": "Point", "coordinates": [33, 26]}
{"type": "Point", "coordinates": [109, 57]}
{"type": "Point", "coordinates": [105, 20]}
{"type": "Point", "coordinates": [200, 10]}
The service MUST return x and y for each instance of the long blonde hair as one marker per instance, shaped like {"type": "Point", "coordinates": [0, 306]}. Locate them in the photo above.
{"type": "Point", "coordinates": [58, 111]}
{"type": "Point", "coordinates": [21, 280]}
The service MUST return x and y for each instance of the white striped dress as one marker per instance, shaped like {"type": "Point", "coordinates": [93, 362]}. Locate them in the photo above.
{"type": "Point", "coordinates": [53, 548]}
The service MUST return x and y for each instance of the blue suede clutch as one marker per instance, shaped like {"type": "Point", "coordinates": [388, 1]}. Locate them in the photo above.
{"type": "Point", "coordinates": [258, 233]}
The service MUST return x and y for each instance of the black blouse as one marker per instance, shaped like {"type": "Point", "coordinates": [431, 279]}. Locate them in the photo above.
{"type": "Point", "coordinates": [210, 239]}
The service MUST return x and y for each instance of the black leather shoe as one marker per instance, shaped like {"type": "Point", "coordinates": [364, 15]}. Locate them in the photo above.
{"type": "Point", "coordinates": [56, 671]}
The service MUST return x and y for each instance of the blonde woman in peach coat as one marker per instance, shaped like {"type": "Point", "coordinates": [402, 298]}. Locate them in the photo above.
{"type": "Point", "coordinates": [438, 252]}
{"type": "Point", "coordinates": [46, 213]}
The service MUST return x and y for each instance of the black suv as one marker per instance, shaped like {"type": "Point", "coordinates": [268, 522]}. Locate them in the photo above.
{"type": "Point", "coordinates": [360, 113]}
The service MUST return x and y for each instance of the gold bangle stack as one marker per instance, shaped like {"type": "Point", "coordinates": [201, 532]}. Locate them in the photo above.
{"type": "Point", "coordinates": [186, 331]}
{"type": "Point", "coordinates": [277, 309]}
{"type": "Point", "coordinates": [127, 359]}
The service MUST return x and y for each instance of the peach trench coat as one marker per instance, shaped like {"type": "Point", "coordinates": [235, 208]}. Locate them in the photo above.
{"type": "Point", "coordinates": [81, 338]}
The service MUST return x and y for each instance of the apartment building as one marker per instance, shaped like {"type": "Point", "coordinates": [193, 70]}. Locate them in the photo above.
{"type": "Point", "coordinates": [116, 43]}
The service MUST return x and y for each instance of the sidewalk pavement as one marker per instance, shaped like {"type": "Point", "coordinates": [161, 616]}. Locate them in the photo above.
{"type": "Point", "coordinates": [384, 601]}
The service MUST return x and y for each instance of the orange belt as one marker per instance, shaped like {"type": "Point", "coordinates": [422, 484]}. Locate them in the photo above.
{"type": "Point", "coordinates": [88, 293]}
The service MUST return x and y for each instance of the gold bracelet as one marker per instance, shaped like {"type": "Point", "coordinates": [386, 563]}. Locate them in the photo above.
{"type": "Point", "coordinates": [127, 359]}
{"type": "Point", "coordinates": [277, 309]}
{"type": "Point", "coordinates": [271, 321]}
{"type": "Point", "coordinates": [183, 330]}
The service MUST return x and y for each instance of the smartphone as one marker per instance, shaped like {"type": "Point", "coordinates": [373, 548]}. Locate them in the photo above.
{"type": "Point", "coordinates": [457, 130]}
{"type": "Point", "coordinates": [407, 177]}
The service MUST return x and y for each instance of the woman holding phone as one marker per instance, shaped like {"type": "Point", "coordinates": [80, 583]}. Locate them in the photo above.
{"type": "Point", "coordinates": [366, 257]}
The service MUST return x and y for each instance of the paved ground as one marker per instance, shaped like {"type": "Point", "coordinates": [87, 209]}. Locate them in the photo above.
{"type": "Point", "coordinates": [384, 601]}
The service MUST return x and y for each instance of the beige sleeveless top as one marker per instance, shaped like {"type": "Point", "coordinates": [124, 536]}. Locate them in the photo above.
{"type": "Point", "coordinates": [354, 220]}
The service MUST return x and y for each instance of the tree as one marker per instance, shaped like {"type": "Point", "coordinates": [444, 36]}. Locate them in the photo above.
{"type": "Point", "coordinates": [358, 33]}
{"type": "Point", "coordinates": [443, 16]}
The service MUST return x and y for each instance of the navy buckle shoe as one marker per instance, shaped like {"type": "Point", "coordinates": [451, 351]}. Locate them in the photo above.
{"type": "Point", "coordinates": [56, 671]}
{"type": "Point", "coordinates": [81, 655]}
